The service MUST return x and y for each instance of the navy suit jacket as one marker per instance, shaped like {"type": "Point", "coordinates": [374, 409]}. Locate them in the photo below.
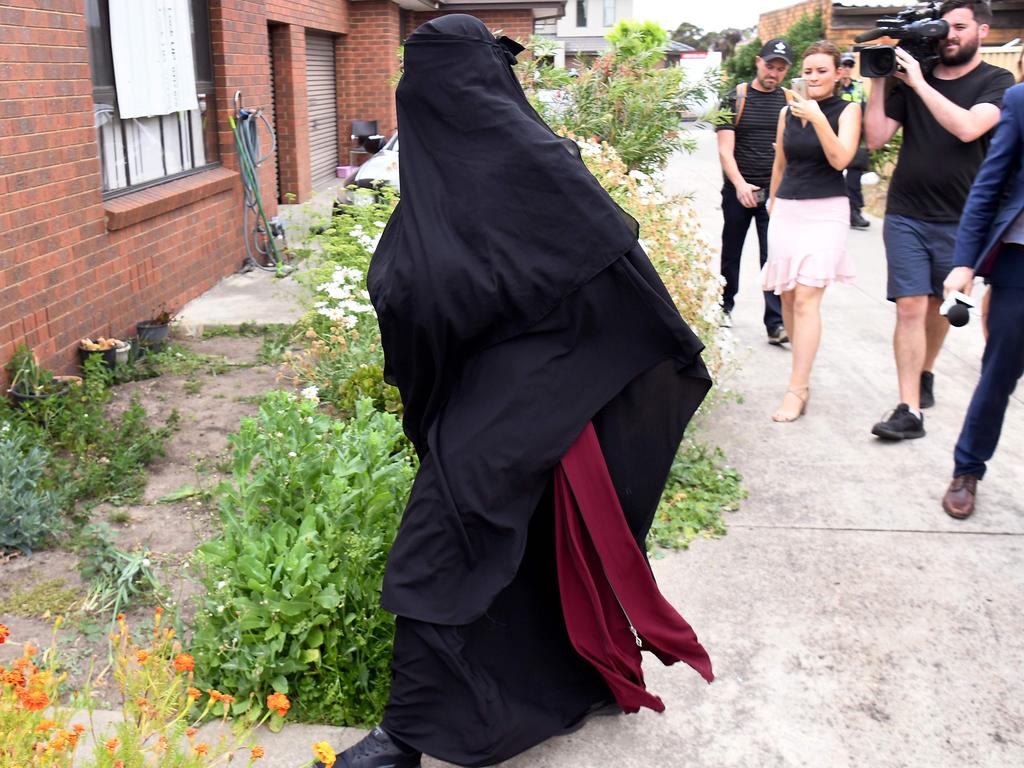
{"type": "Point", "coordinates": [997, 195]}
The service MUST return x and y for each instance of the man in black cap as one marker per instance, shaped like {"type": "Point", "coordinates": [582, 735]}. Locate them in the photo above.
{"type": "Point", "coordinates": [746, 151]}
{"type": "Point", "coordinates": [853, 91]}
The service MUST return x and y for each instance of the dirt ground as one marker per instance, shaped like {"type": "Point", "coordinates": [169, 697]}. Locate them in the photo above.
{"type": "Point", "coordinates": [210, 406]}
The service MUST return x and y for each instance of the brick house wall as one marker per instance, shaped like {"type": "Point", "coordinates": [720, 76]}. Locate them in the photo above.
{"type": "Point", "coordinates": [73, 264]}
{"type": "Point", "coordinates": [775, 23]}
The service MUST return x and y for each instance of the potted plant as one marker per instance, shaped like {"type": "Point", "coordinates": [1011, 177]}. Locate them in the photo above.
{"type": "Point", "coordinates": [113, 351]}
{"type": "Point", "coordinates": [153, 333]}
{"type": "Point", "coordinates": [30, 382]}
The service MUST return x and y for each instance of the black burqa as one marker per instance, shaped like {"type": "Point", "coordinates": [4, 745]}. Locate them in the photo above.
{"type": "Point", "coordinates": [515, 306]}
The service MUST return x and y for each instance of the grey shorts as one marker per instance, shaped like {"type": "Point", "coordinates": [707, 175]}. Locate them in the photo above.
{"type": "Point", "coordinates": [919, 253]}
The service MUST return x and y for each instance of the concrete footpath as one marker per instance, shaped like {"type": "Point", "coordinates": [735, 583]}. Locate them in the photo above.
{"type": "Point", "coordinates": [850, 621]}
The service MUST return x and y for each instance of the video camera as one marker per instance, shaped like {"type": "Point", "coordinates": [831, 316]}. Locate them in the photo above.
{"type": "Point", "coordinates": [919, 29]}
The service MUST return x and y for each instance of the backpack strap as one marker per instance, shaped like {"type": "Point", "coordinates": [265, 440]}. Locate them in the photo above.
{"type": "Point", "coordinates": [741, 100]}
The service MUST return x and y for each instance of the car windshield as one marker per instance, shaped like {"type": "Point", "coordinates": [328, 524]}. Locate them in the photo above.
{"type": "Point", "coordinates": [392, 142]}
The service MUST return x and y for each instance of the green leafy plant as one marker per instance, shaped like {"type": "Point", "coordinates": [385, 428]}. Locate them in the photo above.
{"type": "Point", "coordinates": [117, 579]}
{"type": "Point", "coordinates": [623, 99]}
{"type": "Point", "coordinates": [27, 376]}
{"type": "Point", "coordinates": [698, 492]}
{"type": "Point", "coordinates": [30, 513]}
{"type": "Point", "coordinates": [293, 581]}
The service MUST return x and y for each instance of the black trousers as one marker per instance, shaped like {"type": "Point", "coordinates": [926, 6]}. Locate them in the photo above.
{"type": "Point", "coordinates": [1001, 367]}
{"type": "Point", "coordinates": [853, 190]}
{"type": "Point", "coordinates": [734, 234]}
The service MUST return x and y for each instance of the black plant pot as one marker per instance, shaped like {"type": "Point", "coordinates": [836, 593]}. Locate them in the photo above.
{"type": "Point", "coordinates": [109, 355]}
{"type": "Point", "coordinates": [59, 389]}
{"type": "Point", "coordinates": [152, 336]}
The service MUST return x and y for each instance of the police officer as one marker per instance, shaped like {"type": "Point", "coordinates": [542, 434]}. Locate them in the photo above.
{"type": "Point", "coordinates": [853, 90]}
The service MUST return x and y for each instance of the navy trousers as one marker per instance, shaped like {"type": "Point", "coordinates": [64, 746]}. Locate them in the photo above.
{"type": "Point", "coordinates": [734, 234]}
{"type": "Point", "coordinates": [1001, 367]}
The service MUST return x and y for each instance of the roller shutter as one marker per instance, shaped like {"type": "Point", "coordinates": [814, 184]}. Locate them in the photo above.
{"type": "Point", "coordinates": [323, 109]}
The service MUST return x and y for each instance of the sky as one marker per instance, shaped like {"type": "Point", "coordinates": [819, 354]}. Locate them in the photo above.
{"type": "Point", "coordinates": [715, 15]}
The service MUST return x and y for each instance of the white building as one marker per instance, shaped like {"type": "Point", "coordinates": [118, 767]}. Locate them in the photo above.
{"type": "Point", "coordinates": [580, 33]}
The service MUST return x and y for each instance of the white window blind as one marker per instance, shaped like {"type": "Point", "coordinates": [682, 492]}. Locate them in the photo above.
{"type": "Point", "coordinates": [151, 43]}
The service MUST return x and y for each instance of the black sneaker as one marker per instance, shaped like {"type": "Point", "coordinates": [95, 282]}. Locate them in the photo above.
{"type": "Point", "coordinates": [901, 424]}
{"type": "Point", "coordinates": [927, 389]}
{"type": "Point", "coordinates": [778, 336]}
{"type": "Point", "coordinates": [857, 221]}
{"type": "Point", "coordinates": [376, 750]}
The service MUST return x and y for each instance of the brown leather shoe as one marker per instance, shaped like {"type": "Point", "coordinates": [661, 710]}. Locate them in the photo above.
{"type": "Point", "coordinates": [959, 499]}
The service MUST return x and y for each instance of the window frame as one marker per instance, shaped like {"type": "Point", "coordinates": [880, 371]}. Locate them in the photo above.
{"type": "Point", "coordinates": [101, 67]}
{"type": "Point", "coordinates": [581, 19]}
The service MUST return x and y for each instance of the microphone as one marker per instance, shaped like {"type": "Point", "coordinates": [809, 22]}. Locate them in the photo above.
{"type": "Point", "coordinates": [871, 34]}
{"type": "Point", "coordinates": [957, 308]}
{"type": "Point", "coordinates": [958, 315]}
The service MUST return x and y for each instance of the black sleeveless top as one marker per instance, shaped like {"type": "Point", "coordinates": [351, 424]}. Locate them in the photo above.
{"type": "Point", "coordinates": [808, 174]}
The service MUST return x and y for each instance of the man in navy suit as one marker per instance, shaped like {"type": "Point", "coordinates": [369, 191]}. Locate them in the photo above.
{"type": "Point", "coordinates": [990, 243]}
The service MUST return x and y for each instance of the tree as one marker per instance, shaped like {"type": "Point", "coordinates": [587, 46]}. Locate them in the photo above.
{"type": "Point", "coordinates": [725, 41]}
{"type": "Point", "coordinates": [638, 39]}
{"type": "Point", "coordinates": [692, 35]}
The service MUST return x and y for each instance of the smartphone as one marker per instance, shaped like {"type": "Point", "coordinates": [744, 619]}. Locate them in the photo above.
{"type": "Point", "coordinates": [759, 195]}
{"type": "Point", "coordinates": [799, 86]}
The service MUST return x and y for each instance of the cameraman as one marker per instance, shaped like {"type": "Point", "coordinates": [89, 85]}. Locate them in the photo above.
{"type": "Point", "coordinates": [947, 117]}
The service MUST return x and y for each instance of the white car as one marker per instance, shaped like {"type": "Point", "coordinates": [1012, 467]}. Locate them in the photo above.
{"type": "Point", "coordinates": [380, 170]}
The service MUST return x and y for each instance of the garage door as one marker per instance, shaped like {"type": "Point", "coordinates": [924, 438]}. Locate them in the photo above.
{"type": "Point", "coordinates": [323, 109]}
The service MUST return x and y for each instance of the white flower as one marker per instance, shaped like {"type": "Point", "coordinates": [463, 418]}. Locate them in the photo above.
{"type": "Point", "coordinates": [292, 454]}
{"type": "Point", "coordinates": [221, 584]}
{"type": "Point", "coordinates": [311, 392]}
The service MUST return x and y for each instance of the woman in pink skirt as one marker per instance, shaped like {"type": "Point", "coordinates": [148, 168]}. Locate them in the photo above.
{"type": "Point", "coordinates": [810, 213]}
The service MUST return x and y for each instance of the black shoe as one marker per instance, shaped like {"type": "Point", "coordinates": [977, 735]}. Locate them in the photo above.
{"type": "Point", "coordinates": [376, 750]}
{"type": "Point", "coordinates": [778, 336]}
{"type": "Point", "coordinates": [901, 424]}
{"type": "Point", "coordinates": [927, 389]}
{"type": "Point", "coordinates": [726, 319]}
{"type": "Point", "coordinates": [857, 221]}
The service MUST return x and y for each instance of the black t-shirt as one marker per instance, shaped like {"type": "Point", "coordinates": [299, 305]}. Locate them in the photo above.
{"type": "Point", "coordinates": [755, 132]}
{"type": "Point", "coordinates": [808, 174]}
{"type": "Point", "coordinates": [935, 169]}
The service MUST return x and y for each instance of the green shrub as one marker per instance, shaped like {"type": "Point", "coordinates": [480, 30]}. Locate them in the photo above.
{"type": "Point", "coordinates": [30, 513]}
{"type": "Point", "coordinates": [699, 490]}
{"type": "Point", "coordinates": [293, 581]}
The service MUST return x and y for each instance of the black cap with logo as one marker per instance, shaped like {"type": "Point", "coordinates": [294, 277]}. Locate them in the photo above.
{"type": "Point", "coordinates": [777, 49]}
{"type": "Point", "coordinates": [847, 60]}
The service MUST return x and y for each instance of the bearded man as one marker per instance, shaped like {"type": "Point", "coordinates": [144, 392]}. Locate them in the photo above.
{"type": "Point", "coordinates": [947, 116]}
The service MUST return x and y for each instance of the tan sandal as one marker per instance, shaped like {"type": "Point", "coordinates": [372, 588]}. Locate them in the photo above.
{"type": "Point", "coordinates": [803, 394]}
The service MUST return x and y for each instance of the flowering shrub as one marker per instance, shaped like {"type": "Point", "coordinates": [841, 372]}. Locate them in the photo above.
{"type": "Point", "coordinates": [674, 241]}
{"type": "Point", "coordinates": [293, 581]}
{"type": "Point", "coordinates": [161, 710]}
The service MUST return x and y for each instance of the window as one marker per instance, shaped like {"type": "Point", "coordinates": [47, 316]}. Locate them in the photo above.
{"type": "Point", "coordinates": [581, 13]}
{"type": "Point", "coordinates": [609, 13]}
{"type": "Point", "coordinates": [147, 149]}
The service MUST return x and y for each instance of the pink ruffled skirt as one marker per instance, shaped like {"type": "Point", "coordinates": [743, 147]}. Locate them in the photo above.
{"type": "Point", "coordinates": [807, 244]}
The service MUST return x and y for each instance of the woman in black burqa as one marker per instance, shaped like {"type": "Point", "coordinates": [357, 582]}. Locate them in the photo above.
{"type": "Point", "coordinates": [546, 378]}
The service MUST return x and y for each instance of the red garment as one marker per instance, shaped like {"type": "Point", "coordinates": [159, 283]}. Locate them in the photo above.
{"type": "Point", "coordinates": [603, 578]}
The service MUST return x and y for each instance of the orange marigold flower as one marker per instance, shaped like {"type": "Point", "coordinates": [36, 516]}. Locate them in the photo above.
{"type": "Point", "coordinates": [46, 725]}
{"type": "Point", "coordinates": [119, 764]}
{"type": "Point", "coordinates": [184, 662]}
{"type": "Point", "coordinates": [4, 634]}
{"type": "Point", "coordinates": [61, 739]}
{"type": "Point", "coordinates": [15, 678]}
{"type": "Point", "coordinates": [78, 728]}
{"type": "Point", "coordinates": [141, 656]}
{"type": "Point", "coordinates": [215, 695]}
{"type": "Point", "coordinates": [71, 737]}
{"type": "Point", "coordinates": [226, 698]}
{"type": "Point", "coordinates": [279, 702]}
{"type": "Point", "coordinates": [193, 693]}
{"type": "Point", "coordinates": [257, 752]}
{"type": "Point", "coordinates": [323, 752]}
{"type": "Point", "coordinates": [120, 617]}
{"type": "Point", "coordinates": [112, 745]}
{"type": "Point", "coordinates": [161, 745]}
{"type": "Point", "coordinates": [202, 748]}
{"type": "Point", "coordinates": [190, 732]}
{"type": "Point", "coordinates": [30, 650]}
{"type": "Point", "coordinates": [34, 700]}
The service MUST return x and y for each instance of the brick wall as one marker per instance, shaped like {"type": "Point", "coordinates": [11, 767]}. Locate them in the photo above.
{"type": "Point", "coordinates": [324, 15]}
{"type": "Point", "coordinates": [71, 264]}
{"type": "Point", "coordinates": [367, 63]}
{"type": "Point", "coordinates": [775, 23]}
